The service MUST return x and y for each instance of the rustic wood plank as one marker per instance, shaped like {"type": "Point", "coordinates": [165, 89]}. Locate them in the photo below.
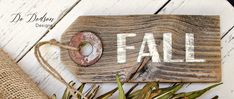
{"type": "Point", "coordinates": [210, 7]}
{"type": "Point", "coordinates": [52, 54]}
{"type": "Point", "coordinates": [226, 89]}
{"type": "Point", "coordinates": [203, 7]}
{"type": "Point", "coordinates": [205, 28]}
{"type": "Point", "coordinates": [18, 37]}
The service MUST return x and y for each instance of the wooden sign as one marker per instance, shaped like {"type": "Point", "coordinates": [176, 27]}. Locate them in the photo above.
{"type": "Point", "coordinates": [143, 48]}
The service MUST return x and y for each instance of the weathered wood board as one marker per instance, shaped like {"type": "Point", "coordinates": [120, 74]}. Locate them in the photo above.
{"type": "Point", "coordinates": [206, 30]}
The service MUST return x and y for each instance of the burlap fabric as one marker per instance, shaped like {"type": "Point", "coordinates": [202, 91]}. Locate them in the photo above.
{"type": "Point", "coordinates": [14, 83]}
{"type": "Point", "coordinates": [1, 97]}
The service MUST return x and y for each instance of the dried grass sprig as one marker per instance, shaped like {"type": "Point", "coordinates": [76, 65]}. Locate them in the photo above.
{"type": "Point", "coordinates": [151, 90]}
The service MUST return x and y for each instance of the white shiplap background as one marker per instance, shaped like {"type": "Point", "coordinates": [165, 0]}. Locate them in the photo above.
{"type": "Point", "coordinates": [18, 39]}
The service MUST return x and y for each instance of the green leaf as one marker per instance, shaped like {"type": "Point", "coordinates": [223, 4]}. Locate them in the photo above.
{"type": "Point", "coordinates": [155, 93]}
{"type": "Point", "coordinates": [134, 94]}
{"type": "Point", "coordinates": [161, 91]}
{"type": "Point", "coordinates": [80, 89]}
{"type": "Point", "coordinates": [92, 93]}
{"type": "Point", "coordinates": [166, 94]}
{"type": "Point", "coordinates": [194, 94]}
{"type": "Point", "coordinates": [147, 90]}
{"type": "Point", "coordinates": [108, 94]}
{"type": "Point", "coordinates": [66, 94]}
{"type": "Point", "coordinates": [130, 90]}
{"type": "Point", "coordinates": [120, 88]}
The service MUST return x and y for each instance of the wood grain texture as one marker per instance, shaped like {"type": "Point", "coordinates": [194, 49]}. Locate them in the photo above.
{"type": "Point", "coordinates": [207, 46]}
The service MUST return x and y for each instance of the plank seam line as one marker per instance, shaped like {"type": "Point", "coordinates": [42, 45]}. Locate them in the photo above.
{"type": "Point", "coordinates": [162, 7]}
{"type": "Point", "coordinates": [227, 32]}
{"type": "Point", "coordinates": [48, 30]}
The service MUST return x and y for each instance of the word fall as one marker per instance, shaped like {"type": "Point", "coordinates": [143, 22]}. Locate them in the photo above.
{"type": "Point", "coordinates": [153, 52]}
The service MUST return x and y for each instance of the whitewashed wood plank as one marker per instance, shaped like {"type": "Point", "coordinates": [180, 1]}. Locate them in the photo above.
{"type": "Point", "coordinates": [18, 37]}
{"type": "Point", "coordinates": [227, 43]}
{"type": "Point", "coordinates": [203, 7]}
{"type": "Point", "coordinates": [86, 7]}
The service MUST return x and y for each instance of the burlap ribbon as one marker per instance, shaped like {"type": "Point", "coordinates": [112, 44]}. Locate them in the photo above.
{"type": "Point", "coordinates": [14, 83]}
